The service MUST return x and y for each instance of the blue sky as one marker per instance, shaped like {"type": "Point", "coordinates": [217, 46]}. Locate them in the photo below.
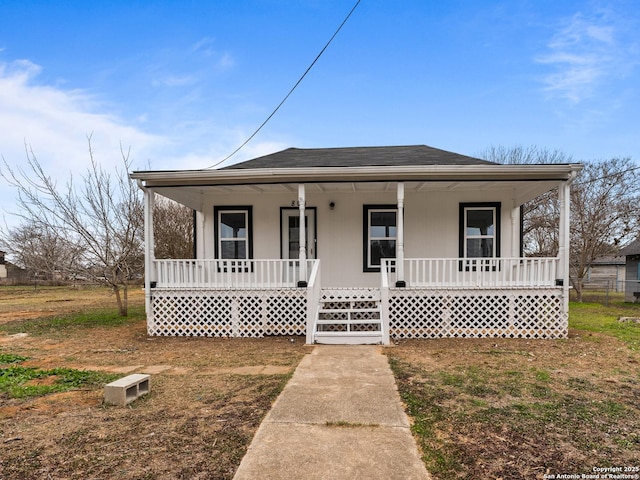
{"type": "Point", "coordinates": [184, 83]}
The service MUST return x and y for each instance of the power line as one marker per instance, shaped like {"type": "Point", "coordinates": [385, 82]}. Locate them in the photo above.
{"type": "Point", "coordinates": [611, 175]}
{"type": "Point", "coordinates": [290, 91]}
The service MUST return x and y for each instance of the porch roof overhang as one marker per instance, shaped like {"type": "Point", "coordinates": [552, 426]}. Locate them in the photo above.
{"type": "Point", "coordinates": [526, 181]}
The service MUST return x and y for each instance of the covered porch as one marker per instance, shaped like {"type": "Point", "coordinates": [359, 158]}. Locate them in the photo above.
{"type": "Point", "coordinates": [506, 297]}
{"type": "Point", "coordinates": [380, 252]}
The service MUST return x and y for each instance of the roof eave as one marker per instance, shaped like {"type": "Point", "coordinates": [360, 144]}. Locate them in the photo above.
{"type": "Point", "coordinates": [357, 174]}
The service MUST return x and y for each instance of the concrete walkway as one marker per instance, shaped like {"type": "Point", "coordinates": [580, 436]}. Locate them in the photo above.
{"type": "Point", "coordinates": [339, 417]}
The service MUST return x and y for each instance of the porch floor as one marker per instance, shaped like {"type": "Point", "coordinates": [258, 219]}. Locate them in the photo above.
{"type": "Point", "coordinates": [336, 386]}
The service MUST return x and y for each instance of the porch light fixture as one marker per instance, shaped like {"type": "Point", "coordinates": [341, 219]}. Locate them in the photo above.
{"type": "Point", "coordinates": [332, 205]}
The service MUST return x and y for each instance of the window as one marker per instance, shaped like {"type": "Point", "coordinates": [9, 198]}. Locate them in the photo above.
{"type": "Point", "coordinates": [380, 230]}
{"type": "Point", "coordinates": [479, 231]}
{"type": "Point", "coordinates": [233, 233]}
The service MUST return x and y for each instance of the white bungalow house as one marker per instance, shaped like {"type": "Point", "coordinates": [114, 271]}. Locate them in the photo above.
{"type": "Point", "coordinates": [359, 245]}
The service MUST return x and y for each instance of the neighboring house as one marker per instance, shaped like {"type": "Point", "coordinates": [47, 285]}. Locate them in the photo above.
{"type": "Point", "coordinates": [11, 274]}
{"type": "Point", "coordinates": [606, 272]}
{"type": "Point", "coordinates": [359, 245]}
{"type": "Point", "coordinates": [3, 265]}
{"type": "Point", "coordinates": [632, 271]}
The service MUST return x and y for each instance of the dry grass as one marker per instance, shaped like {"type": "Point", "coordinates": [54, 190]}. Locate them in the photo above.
{"type": "Point", "coordinates": [515, 409]}
{"type": "Point", "coordinates": [197, 421]}
{"type": "Point", "coordinates": [21, 303]}
{"type": "Point", "coordinates": [507, 409]}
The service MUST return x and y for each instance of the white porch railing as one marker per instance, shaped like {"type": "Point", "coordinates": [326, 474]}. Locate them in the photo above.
{"type": "Point", "coordinates": [474, 272]}
{"type": "Point", "coordinates": [263, 274]}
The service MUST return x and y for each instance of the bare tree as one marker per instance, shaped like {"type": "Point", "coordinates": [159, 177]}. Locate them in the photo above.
{"type": "Point", "coordinates": [43, 251]}
{"type": "Point", "coordinates": [520, 155]}
{"type": "Point", "coordinates": [605, 212]}
{"type": "Point", "coordinates": [173, 229]}
{"type": "Point", "coordinates": [605, 204]}
{"type": "Point", "coordinates": [102, 217]}
{"type": "Point", "coordinates": [540, 223]}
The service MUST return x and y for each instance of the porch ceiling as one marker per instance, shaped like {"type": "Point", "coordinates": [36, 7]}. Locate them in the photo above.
{"type": "Point", "coordinates": [524, 182]}
{"type": "Point", "coordinates": [522, 191]}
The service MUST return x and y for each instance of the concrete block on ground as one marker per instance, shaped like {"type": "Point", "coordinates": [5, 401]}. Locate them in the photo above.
{"type": "Point", "coordinates": [127, 389]}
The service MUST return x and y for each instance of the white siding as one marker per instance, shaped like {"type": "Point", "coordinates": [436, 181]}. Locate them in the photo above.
{"type": "Point", "coordinates": [431, 227]}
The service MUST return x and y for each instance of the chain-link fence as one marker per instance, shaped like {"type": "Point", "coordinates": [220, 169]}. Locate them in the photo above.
{"type": "Point", "coordinates": [608, 291]}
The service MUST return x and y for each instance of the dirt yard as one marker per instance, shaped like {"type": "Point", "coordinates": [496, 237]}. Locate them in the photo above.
{"type": "Point", "coordinates": [508, 409]}
{"type": "Point", "coordinates": [207, 398]}
{"type": "Point", "coordinates": [520, 409]}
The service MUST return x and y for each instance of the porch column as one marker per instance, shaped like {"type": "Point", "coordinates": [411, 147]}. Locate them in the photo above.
{"type": "Point", "coordinates": [149, 246]}
{"type": "Point", "coordinates": [400, 239]}
{"type": "Point", "coordinates": [564, 201]}
{"type": "Point", "coordinates": [302, 237]}
{"type": "Point", "coordinates": [199, 228]}
{"type": "Point", "coordinates": [516, 248]}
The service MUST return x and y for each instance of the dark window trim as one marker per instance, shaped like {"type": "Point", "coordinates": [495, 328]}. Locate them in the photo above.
{"type": "Point", "coordinates": [365, 232]}
{"type": "Point", "coordinates": [195, 234]}
{"type": "Point", "coordinates": [223, 208]}
{"type": "Point", "coordinates": [462, 236]}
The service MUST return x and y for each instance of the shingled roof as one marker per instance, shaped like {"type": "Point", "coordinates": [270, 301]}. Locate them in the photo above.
{"type": "Point", "coordinates": [631, 249]}
{"type": "Point", "coordinates": [359, 157]}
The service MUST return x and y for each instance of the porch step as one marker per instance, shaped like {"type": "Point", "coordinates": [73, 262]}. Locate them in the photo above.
{"type": "Point", "coordinates": [332, 338]}
{"type": "Point", "coordinates": [348, 319]}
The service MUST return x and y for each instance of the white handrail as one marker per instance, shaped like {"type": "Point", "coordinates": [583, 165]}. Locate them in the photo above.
{"type": "Point", "coordinates": [385, 270]}
{"type": "Point", "coordinates": [214, 273]}
{"type": "Point", "coordinates": [475, 272]}
{"type": "Point", "coordinates": [313, 300]}
{"type": "Point", "coordinates": [315, 273]}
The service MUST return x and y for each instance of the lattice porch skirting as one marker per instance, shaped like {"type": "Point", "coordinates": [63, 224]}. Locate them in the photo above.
{"type": "Point", "coordinates": [517, 313]}
{"type": "Point", "coordinates": [228, 313]}
{"type": "Point", "coordinates": [413, 313]}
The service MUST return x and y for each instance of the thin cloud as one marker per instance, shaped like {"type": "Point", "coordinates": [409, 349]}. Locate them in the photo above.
{"type": "Point", "coordinates": [221, 63]}
{"type": "Point", "coordinates": [582, 54]}
{"type": "Point", "coordinates": [175, 81]}
{"type": "Point", "coordinates": [55, 118]}
{"type": "Point", "coordinates": [225, 62]}
{"type": "Point", "coordinates": [55, 123]}
{"type": "Point", "coordinates": [177, 67]}
{"type": "Point", "coordinates": [204, 46]}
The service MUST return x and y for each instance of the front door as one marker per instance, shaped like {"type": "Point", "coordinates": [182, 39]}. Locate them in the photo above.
{"type": "Point", "coordinates": [290, 234]}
